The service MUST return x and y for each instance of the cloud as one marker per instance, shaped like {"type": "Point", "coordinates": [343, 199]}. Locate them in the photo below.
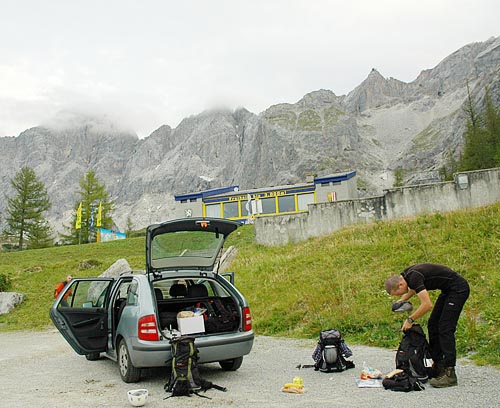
{"type": "Point", "coordinates": [156, 62]}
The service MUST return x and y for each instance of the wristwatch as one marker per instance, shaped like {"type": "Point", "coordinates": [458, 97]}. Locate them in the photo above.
{"type": "Point", "coordinates": [410, 320]}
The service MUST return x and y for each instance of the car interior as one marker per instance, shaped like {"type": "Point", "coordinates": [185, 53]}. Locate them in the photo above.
{"type": "Point", "coordinates": [221, 313]}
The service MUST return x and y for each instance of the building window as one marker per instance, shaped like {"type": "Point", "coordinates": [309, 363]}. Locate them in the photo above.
{"type": "Point", "coordinates": [304, 200]}
{"type": "Point", "coordinates": [286, 203]}
{"type": "Point", "coordinates": [213, 210]}
{"type": "Point", "coordinates": [231, 209]}
{"type": "Point", "coordinates": [193, 200]}
{"type": "Point", "coordinates": [268, 205]}
{"type": "Point", "coordinates": [184, 201]}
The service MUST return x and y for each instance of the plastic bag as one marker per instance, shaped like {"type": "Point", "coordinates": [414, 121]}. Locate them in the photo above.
{"type": "Point", "coordinates": [370, 373]}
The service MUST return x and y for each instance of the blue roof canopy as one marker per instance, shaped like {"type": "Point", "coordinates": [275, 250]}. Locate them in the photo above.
{"type": "Point", "coordinates": [335, 178]}
{"type": "Point", "coordinates": [206, 193]}
{"type": "Point", "coordinates": [332, 178]}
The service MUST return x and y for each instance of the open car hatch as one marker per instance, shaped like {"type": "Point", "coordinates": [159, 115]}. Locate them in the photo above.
{"type": "Point", "coordinates": [188, 243]}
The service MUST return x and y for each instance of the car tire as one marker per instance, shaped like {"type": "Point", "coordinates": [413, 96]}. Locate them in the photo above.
{"type": "Point", "coordinates": [128, 372]}
{"type": "Point", "coordinates": [231, 365]}
{"type": "Point", "coordinates": [93, 356]}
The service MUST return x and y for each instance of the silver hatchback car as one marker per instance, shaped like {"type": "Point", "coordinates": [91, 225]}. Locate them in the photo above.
{"type": "Point", "coordinates": [132, 318]}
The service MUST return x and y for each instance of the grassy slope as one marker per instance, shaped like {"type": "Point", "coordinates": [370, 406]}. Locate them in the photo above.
{"type": "Point", "coordinates": [299, 289]}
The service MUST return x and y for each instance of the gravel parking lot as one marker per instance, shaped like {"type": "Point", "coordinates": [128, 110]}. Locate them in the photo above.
{"type": "Point", "coordinates": [40, 370]}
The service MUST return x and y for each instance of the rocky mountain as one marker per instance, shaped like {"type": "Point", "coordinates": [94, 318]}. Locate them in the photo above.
{"type": "Point", "coordinates": [381, 125]}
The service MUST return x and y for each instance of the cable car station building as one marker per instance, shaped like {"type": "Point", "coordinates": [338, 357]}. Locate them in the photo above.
{"type": "Point", "coordinates": [245, 205]}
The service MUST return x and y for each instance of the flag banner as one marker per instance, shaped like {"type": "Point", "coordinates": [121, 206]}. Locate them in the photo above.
{"type": "Point", "coordinates": [78, 222]}
{"type": "Point", "coordinates": [99, 215]}
{"type": "Point", "coordinates": [91, 221]}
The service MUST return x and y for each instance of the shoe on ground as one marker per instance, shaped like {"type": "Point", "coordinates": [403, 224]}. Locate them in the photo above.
{"type": "Point", "coordinates": [436, 371]}
{"type": "Point", "coordinates": [448, 378]}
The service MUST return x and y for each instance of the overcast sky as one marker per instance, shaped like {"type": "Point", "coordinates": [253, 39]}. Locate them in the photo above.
{"type": "Point", "coordinates": [153, 62]}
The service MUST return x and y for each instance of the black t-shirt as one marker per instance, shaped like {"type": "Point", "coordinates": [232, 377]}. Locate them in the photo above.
{"type": "Point", "coordinates": [430, 276]}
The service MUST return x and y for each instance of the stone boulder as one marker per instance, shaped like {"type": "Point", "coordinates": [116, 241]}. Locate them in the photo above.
{"type": "Point", "coordinates": [96, 289]}
{"type": "Point", "coordinates": [9, 300]}
{"type": "Point", "coordinates": [114, 270]}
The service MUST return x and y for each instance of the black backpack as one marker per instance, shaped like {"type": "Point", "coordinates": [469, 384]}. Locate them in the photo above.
{"type": "Point", "coordinates": [219, 317]}
{"type": "Point", "coordinates": [331, 352]}
{"type": "Point", "coordinates": [402, 381]}
{"type": "Point", "coordinates": [185, 377]}
{"type": "Point", "coordinates": [413, 352]}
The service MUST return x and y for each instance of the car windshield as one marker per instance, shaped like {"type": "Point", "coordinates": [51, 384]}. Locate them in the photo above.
{"type": "Point", "coordinates": [185, 248]}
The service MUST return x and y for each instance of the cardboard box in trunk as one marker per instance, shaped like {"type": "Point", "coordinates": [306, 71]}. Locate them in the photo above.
{"type": "Point", "coordinates": [190, 325]}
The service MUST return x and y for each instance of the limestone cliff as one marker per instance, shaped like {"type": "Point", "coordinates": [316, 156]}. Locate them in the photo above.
{"type": "Point", "coordinates": [382, 124]}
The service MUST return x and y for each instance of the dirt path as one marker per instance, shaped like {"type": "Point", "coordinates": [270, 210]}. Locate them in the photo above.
{"type": "Point", "coordinates": [41, 370]}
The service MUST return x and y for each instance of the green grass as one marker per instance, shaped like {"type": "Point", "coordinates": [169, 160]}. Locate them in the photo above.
{"type": "Point", "coordinates": [337, 281]}
{"type": "Point", "coordinates": [36, 272]}
{"type": "Point", "coordinates": [299, 289]}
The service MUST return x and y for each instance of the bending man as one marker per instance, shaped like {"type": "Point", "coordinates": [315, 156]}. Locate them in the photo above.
{"type": "Point", "coordinates": [419, 279]}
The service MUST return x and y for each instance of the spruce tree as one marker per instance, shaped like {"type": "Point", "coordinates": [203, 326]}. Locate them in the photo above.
{"type": "Point", "coordinates": [25, 210]}
{"type": "Point", "coordinates": [482, 138]}
{"type": "Point", "coordinates": [492, 126]}
{"type": "Point", "coordinates": [446, 172]}
{"type": "Point", "coordinates": [398, 177]}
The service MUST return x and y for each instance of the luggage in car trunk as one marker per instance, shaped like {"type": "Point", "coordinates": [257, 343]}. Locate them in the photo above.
{"type": "Point", "coordinates": [221, 314]}
{"type": "Point", "coordinates": [168, 320]}
{"type": "Point", "coordinates": [219, 317]}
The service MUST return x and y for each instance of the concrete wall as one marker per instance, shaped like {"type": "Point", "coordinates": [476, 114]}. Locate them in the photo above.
{"type": "Point", "coordinates": [345, 189]}
{"type": "Point", "coordinates": [482, 188]}
{"type": "Point", "coordinates": [189, 208]}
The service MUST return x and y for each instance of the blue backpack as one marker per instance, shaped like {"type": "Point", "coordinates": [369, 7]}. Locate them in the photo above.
{"type": "Point", "coordinates": [331, 353]}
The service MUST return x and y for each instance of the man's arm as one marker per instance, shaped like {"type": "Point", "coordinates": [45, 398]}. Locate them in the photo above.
{"type": "Point", "coordinates": [425, 306]}
{"type": "Point", "coordinates": [407, 295]}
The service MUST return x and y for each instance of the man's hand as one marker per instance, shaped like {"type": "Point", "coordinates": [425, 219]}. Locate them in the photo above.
{"type": "Point", "coordinates": [406, 325]}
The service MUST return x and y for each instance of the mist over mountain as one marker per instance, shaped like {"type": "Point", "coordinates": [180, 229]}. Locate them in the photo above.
{"type": "Point", "coordinates": [379, 126]}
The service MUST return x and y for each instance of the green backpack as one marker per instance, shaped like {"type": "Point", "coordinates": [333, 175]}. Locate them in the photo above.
{"type": "Point", "coordinates": [185, 377]}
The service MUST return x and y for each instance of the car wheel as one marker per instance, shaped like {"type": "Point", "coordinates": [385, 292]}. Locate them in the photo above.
{"type": "Point", "coordinates": [128, 372]}
{"type": "Point", "coordinates": [93, 356]}
{"type": "Point", "coordinates": [231, 365]}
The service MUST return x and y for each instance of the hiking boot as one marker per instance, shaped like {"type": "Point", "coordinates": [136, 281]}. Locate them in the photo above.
{"type": "Point", "coordinates": [447, 379]}
{"type": "Point", "coordinates": [436, 371]}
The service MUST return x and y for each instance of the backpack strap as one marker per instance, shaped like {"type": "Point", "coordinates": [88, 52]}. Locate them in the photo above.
{"type": "Point", "coordinates": [306, 366]}
{"type": "Point", "coordinates": [206, 385]}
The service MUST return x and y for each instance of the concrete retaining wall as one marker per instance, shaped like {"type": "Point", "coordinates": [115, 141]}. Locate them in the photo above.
{"type": "Point", "coordinates": [468, 190]}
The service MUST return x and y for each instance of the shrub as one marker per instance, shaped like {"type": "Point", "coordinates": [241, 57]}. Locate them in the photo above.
{"type": "Point", "coordinates": [4, 283]}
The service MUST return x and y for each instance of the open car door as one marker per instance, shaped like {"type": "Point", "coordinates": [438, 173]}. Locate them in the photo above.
{"type": "Point", "coordinates": [80, 314]}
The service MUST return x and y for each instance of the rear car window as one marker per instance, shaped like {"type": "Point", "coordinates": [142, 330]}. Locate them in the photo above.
{"type": "Point", "coordinates": [179, 288]}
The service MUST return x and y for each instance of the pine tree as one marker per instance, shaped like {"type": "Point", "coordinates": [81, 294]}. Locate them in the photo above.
{"type": "Point", "coordinates": [446, 172]}
{"type": "Point", "coordinates": [492, 125]}
{"type": "Point", "coordinates": [471, 157]}
{"type": "Point", "coordinates": [482, 139]}
{"type": "Point", "coordinates": [25, 210]}
{"type": "Point", "coordinates": [398, 177]}
{"type": "Point", "coordinates": [40, 236]}
{"type": "Point", "coordinates": [91, 195]}
{"type": "Point", "coordinates": [130, 226]}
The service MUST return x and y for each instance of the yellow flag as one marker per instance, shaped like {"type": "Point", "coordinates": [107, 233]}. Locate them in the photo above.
{"type": "Point", "coordinates": [99, 215]}
{"type": "Point", "coordinates": [78, 222]}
